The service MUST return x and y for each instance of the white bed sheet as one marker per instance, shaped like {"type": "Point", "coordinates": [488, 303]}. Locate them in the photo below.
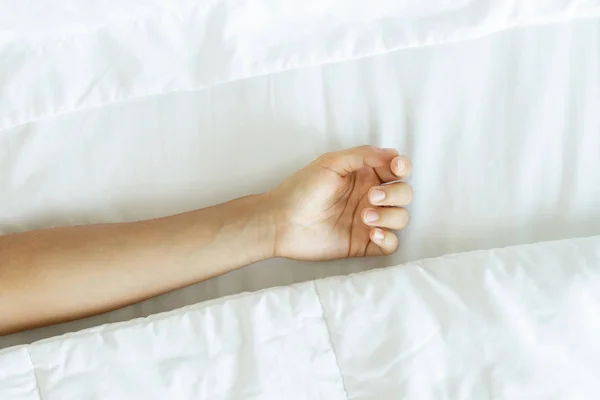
{"type": "Point", "coordinates": [519, 323]}
{"type": "Point", "coordinates": [497, 105]}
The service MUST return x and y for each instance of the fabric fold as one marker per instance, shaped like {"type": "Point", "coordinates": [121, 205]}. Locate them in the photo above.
{"type": "Point", "coordinates": [86, 54]}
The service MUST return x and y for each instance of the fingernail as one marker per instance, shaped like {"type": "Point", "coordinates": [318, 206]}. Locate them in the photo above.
{"type": "Point", "coordinates": [371, 216]}
{"type": "Point", "coordinates": [377, 196]}
{"type": "Point", "coordinates": [401, 165]}
{"type": "Point", "coordinates": [378, 235]}
{"type": "Point", "coordinates": [388, 149]}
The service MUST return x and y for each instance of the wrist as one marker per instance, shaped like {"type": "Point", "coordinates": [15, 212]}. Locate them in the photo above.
{"type": "Point", "coordinates": [231, 235]}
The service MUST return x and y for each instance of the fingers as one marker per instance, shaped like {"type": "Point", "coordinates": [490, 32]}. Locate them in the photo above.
{"type": "Point", "coordinates": [347, 161]}
{"type": "Point", "coordinates": [395, 194]}
{"type": "Point", "coordinates": [388, 165]}
{"type": "Point", "coordinates": [386, 217]}
{"type": "Point", "coordinates": [385, 241]}
{"type": "Point", "coordinates": [399, 168]}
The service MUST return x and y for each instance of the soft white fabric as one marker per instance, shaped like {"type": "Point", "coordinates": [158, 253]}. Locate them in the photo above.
{"type": "Point", "coordinates": [516, 323]}
{"type": "Point", "coordinates": [116, 111]}
{"type": "Point", "coordinates": [66, 55]}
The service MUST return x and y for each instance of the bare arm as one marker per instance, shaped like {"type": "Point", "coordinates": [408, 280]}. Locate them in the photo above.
{"type": "Point", "coordinates": [59, 274]}
{"type": "Point", "coordinates": [344, 204]}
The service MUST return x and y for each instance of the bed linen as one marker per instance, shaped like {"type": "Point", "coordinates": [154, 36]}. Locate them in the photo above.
{"type": "Point", "coordinates": [116, 111]}
{"type": "Point", "coordinates": [515, 323]}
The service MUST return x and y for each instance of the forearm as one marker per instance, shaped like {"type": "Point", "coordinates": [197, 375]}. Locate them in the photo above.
{"type": "Point", "coordinates": [59, 274]}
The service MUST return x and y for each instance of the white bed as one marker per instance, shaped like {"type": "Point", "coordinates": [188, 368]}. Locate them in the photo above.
{"type": "Point", "coordinates": [116, 111]}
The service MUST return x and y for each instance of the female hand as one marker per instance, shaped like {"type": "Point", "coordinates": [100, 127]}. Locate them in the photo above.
{"type": "Point", "coordinates": [344, 204]}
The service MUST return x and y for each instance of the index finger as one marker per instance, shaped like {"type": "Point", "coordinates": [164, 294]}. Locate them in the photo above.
{"type": "Point", "coordinates": [347, 161]}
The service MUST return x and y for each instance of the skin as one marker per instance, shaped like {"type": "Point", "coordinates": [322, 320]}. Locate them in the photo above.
{"type": "Point", "coordinates": [325, 211]}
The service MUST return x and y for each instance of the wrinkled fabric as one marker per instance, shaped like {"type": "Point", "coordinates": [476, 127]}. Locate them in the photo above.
{"type": "Point", "coordinates": [118, 111]}
{"type": "Point", "coordinates": [67, 55]}
{"type": "Point", "coordinates": [514, 323]}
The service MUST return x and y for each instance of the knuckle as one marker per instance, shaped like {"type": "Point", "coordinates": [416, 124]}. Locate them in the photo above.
{"type": "Point", "coordinates": [405, 217]}
{"type": "Point", "coordinates": [366, 148]}
{"type": "Point", "coordinates": [400, 218]}
{"type": "Point", "coordinates": [326, 158]}
{"type": "Point", "coordinates": [403, 193]}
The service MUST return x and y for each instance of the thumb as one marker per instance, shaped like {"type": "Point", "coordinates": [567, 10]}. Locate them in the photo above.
{"type": "Point", "coordinates": [346, 161]}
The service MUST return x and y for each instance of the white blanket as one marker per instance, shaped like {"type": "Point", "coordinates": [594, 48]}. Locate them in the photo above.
{"type": "Point", "coordinates": [122, 110]}
{"type": "Point", "coordinates": [517, 323]}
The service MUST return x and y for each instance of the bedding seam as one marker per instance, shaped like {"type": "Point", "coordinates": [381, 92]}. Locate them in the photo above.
{"type": "Point", "coordinates": [481, 33]}
{"type": "Point", "coordinates": [337, 363]}
{"type": "Point", "coordinates": [37, 380]}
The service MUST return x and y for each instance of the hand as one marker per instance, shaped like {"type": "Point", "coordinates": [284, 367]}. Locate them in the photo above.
{"type": "Point", "coordinates": [344, 204]}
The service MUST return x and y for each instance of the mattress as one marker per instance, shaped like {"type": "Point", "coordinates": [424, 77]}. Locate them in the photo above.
{"type": "Point", "coordinates": [118, 111]}
{"type": "Point", "coordinates": [515, 323]}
